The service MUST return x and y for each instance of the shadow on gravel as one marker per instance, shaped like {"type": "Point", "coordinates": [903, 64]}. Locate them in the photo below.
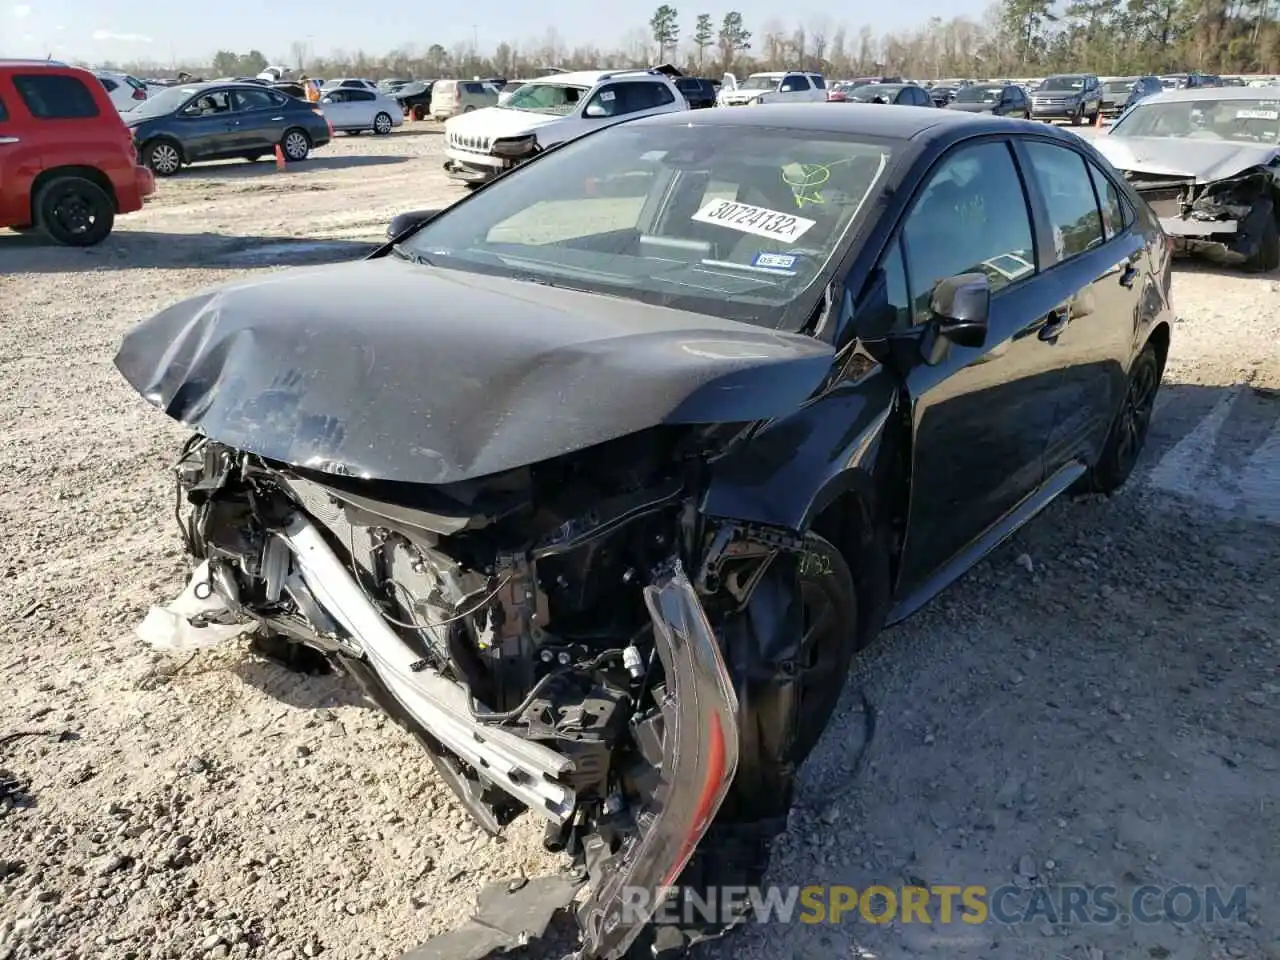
{"type": "Point", "coordinates": [424, 129]}
{"type": "Point", "coordinates": [1199, 265]}
{"type": "Point", "coordinates": [266, 167]}
{"type": "Point", "coordinates": [129, 249]}
{"type": "Point", "coordinates": [290, 686]}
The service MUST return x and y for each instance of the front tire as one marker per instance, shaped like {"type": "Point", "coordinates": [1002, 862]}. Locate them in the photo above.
{"type": "Point", "coordinates": [75, 212]}
{"type": "Point", "coordinates": [382, 124]}
{"type": "Point", "coordinates": [295, 144]}
{"type": "Point", "coordinates": [1129, 429]}
{"type": "Point", "coordinates": [162, 157]}
{"type": "Point", "coordinates": [1077, 117]}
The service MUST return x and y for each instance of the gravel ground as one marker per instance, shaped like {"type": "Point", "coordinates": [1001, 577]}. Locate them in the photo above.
{"type": "Point", "coordinates": [1097, 703]}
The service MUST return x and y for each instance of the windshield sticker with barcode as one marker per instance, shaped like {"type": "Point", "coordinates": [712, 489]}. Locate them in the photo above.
{"type": "Point", "coordinates": [760, 221]}
{"type": "Point", "coordinates": [1258, 114]}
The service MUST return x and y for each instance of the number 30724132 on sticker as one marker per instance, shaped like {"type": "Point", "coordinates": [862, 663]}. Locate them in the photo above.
{"type": "Point", "coordinates": [760, 221]}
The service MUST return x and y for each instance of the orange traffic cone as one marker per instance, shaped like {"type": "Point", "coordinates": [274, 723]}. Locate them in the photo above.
{"type": "Point", "coordinates": [279, 158]}
{"type": "Point", "coordinates": [1097, 119]}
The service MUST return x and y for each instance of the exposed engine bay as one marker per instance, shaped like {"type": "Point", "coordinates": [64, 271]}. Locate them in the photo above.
{"type": "Point", "coordinates": [546, 633]}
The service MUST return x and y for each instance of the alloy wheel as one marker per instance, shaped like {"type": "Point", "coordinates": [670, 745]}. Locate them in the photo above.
{"type": "Point", "coordinates": [1135, 417]}
{"type": "Point", "coordinates": [382, 124]}
{"type": "Point", "coordinates": [165, 159]}
{"type": "Point", "coordinates": [296, 146]}
{"type": "Point", "coordinates": [74, 213]}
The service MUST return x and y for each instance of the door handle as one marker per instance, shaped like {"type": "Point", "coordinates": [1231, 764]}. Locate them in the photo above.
{"type": "Point", "coordinates": [273, 119]}
{"type": "Point", "coordinates": [9, 140]}
{"type": "Point", "coordinates": [1128, 275]}
{"type": "Point", "coordinates": [1055, 323]}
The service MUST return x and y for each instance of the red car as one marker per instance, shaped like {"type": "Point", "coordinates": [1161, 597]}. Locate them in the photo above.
{"type": "Point", "coordinates": [67, 161]}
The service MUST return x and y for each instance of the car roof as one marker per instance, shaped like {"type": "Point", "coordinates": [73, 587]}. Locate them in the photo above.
{"type": "Point", "coordinates": [20, 62]}
{"type": "Point", "coordinates": [1214, 93]}
{"type": "Point", "coordinates": [900, 123]}
{"type": "Point", "coordinates": [589, 78]}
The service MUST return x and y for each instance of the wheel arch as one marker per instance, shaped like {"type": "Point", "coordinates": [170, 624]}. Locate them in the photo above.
{"type": "Point", "coordinates": [1160, 337]}
{"type": "Point", "coordinates": [92, 174]}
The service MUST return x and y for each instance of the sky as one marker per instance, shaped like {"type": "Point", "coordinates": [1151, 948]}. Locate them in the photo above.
{"type": "Point", "coordinates": [157, 31]}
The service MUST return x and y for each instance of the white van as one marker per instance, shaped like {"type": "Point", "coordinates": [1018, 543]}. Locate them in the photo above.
{"type": "Point", "coordinates": [449, 98]}
{"type": "Point", "coordinates": [550, 110]}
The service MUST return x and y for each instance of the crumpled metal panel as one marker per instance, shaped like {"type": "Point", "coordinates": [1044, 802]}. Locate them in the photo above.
{"type": "Point", "coordinates": [396, 371]}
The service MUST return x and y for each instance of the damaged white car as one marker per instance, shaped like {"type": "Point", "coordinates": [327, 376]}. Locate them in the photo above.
{"type": "Point", "coordinates": [1208, 163]}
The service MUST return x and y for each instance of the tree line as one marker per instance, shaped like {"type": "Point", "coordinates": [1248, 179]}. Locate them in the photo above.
{"type": "Point", "coordinates": [1014, 38]}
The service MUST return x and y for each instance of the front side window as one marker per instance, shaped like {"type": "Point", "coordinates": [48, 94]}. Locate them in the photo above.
{"type": "Point", "coordinates": [1068, 191]}
{"type": "Point", "coordinates": [55, 97]}
{"type": "Point", "coordinates": [4, 112]}
{"type": "Point", "coordinates": [734, 222]}
{"type": "Point", "coordinates": [108, 84]}
{"type": "Point", "coordinates": [209, 104]}
{"type": "Point", "coordinates": [362, 96]}
{"type": "Point", "coordinates": [794, 83]}
{"type": "Point", "coordinates": [971, 217]}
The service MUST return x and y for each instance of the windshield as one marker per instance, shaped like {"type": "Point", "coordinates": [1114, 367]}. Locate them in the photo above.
{"type": "Point", "coordinates": [759, 83]}
{"type": "Point", "coordinates": [979, 95]}
{"type": "Point", "coordinates": [737, 222]}
{"type": "Point", "coordinates": [1248, 121]}
{"type": "Point", "coordinates": [557, 98]}
{"type": "Point", "coordinates": [1063, 83]}
{"type": "Point", "coordinates": [163, 103]}
{"type": "Point", "coordinates": [1118, 86]}
{"type": "Point", "coordinates": [870, 91]}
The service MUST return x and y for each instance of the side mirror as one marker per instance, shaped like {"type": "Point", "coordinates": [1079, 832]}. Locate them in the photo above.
{"type": "Point", "coordinates": [785, 88]}
{"type": "Point", "coordinates": [407, 221]}
{"type": "Point", "coordinates": [961, 306]}
{"type": "Point", "coordinates": [595, 110]}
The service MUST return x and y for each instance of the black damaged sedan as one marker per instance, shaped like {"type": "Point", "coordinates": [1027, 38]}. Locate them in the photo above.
{"type": "Point", "coordinates": [598, 479]}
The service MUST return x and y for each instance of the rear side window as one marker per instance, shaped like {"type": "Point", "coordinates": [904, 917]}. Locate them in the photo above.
{"type": "Point", "coordinates": [1113, 212]}
{"type": "Point", "coordinates": [796, 82]}
{"type": "Point", "coordinates": [1068, 192]}
{"type": "Point", "coordinates": [819, 82]}
{"type": "Point", "coordinates": [108, 83]}
{"type": "Point", "coordinates": [55, 96]}
{"type": "Point", "coordinates": [474, 88]}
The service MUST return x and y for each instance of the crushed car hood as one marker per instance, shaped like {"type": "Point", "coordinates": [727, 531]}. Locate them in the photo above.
{"type": "Point", "coordinates": [394, 371]}
{"type": "Point", "coordinates": [1205, 160]}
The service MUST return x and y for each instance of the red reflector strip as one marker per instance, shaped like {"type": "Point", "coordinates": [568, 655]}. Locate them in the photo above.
{"type": "Point", "coordinates": [706, 799]}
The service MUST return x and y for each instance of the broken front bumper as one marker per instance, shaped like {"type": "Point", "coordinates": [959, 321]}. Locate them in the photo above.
{"type": "Point", "coordinates": [700, 738]}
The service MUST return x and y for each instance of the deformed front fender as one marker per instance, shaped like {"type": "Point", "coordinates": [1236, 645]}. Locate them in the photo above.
{"type": "Point", "coordinates": [791, 470]}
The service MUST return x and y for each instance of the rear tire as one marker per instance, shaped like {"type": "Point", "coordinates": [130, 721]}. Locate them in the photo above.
{"type": "Point", "coordinates": [295, 144]}
{"type": "Point", "coordinates": [1129, 429]}
{"type": "Point", "coordinates": [75, 212]}
{"type": "Point", "coordinates": [382, 124]}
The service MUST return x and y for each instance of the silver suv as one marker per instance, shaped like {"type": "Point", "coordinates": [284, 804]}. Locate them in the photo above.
{"type": "Point", "coordinates": [1067, 96]}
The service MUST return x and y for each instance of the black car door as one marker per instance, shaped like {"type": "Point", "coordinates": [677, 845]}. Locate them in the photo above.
{"type": "Point", "coordinates": [1099, 257]}
{"type": "Point", "coordinates": [204, 125]}
{"type": "Point", "coordinates": [981, 415]}
{"type": "Point", "coordinates": [259, 120]}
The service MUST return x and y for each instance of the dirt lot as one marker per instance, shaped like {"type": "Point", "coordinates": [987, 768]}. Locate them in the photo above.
{"type": "Point", "coordinates": [1098, 703]}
